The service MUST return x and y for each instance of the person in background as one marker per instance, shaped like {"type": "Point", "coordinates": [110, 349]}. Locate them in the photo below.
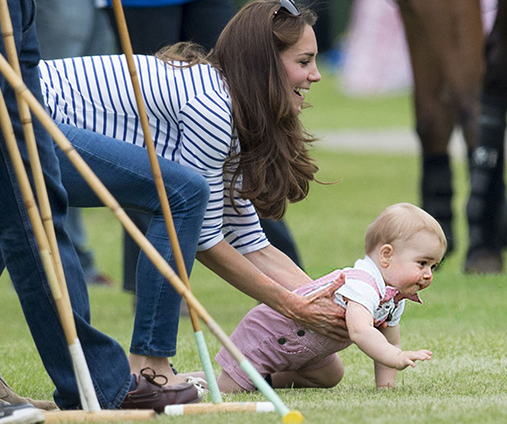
{"type": "Point", "coordinates": [153, 24]}
{"type": "Point", "coordinates": [70, 28]}
{"type": "Point", "coordinates": [67, 28]}
{"type": "Point", "coordinates": [8, 396]}
{"type": "Point", "coordinates": [19, 413]}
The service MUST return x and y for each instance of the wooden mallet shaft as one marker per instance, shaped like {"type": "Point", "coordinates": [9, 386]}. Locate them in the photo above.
{"type": "Point", "coordinates": [164, 202]}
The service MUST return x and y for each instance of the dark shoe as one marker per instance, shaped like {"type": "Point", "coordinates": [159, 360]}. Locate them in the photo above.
{"type": "Point", "coordinates": [484, 260]}
{"type": "Point", "coordinates": [9, 396]}
{"type": "Point", "coordinates": [20, 413]}
{"type": "Point", "coordinates": [149, 394]}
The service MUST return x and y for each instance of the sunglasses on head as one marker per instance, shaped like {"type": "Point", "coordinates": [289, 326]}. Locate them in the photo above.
{"type": "Point", "coordinates": [289, 6]}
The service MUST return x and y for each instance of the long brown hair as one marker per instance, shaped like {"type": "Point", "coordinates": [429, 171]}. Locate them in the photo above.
{"type": "Point", "coordinates": [272, 165]}
{"type": "Point", "coordinates": [273, 161]}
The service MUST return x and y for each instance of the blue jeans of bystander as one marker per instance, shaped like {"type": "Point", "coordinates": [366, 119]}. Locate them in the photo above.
{"type": "Point", "coordinates": [106, 359]}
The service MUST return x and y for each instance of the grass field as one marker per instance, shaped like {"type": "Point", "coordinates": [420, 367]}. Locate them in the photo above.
{"type": "Point", "coordinates": [463, 318]}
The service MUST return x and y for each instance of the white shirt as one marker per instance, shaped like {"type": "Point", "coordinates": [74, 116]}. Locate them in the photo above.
{"type": "Point", "coordinates": [370, 294]}
{"type": "Point", "coordinates": [364, 285]}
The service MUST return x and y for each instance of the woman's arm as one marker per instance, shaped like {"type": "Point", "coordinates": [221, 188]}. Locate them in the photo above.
{"type": "Point", "coordinates": [318, 312]}
{"type": "Point", "coordinates": [279, 267]}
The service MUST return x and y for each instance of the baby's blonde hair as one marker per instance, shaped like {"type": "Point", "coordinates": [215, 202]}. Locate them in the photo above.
{"type": "Point", "coordinates": [401, 222]}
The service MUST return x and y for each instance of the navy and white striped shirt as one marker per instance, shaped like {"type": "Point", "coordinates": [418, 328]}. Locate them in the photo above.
{"type": "Point", "coordinates": [190, 117]}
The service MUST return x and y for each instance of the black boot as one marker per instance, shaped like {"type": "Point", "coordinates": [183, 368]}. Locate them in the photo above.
{"type": "Point", "coordinates": [486, 206]}
{"type": "Point", "coordinates": [436, 187]}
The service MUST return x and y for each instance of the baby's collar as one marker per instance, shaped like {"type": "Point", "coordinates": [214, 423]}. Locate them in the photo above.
{"type": "Point", "coordinates": [394, 293]}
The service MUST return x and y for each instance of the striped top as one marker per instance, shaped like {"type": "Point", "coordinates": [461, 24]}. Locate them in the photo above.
{"type": "Point", "coordinates": [190, 115]}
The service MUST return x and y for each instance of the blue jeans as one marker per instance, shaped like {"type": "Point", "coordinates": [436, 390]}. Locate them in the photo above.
{"type": "Point", "coordinates": [74, 226]}
{"type": "Point", "coordinates": [106, 359]}
{"type": "Point", "coordinates": [125, 170]}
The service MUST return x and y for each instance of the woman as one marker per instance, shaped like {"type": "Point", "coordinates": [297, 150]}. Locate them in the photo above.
{"type": "Point", "coordinates": [232, 118]}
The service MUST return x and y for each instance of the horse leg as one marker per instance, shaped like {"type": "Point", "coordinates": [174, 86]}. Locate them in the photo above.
{"type": "Point", "coordinates": [487, 206]}
{"type": "Point", "coordinates": [434, 119]}
{"type": "Point", "coordinates": [444, 40]}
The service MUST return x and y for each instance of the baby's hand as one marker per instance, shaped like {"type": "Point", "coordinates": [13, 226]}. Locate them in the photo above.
{"type": "Point", "coordinates": [408, 358]}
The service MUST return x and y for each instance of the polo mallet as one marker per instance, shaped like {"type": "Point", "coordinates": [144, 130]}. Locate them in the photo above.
{"type": "Point", "coordinates": [108, 200]}
{"type": "Point", "coordinates": [123, 416]}
{"type": "Point", "coordinates": [155, 167]}
{"type": "Point", "coordinates": [104, 416]}
{"type": "Point", "coordinates": [42, 221]}
{"type": "Point", "coordinates": [191, 409]}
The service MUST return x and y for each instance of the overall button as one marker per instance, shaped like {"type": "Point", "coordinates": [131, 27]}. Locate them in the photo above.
{"type": "Point", "coordinates": [282, 341]}
{"type": "Point", "coordinates": [301, 332]}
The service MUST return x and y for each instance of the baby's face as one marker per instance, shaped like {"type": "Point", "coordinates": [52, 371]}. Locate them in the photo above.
{"type": "Point", "coordinates": [413, 262]}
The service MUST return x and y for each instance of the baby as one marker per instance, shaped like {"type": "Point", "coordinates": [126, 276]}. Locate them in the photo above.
{"type": "Point", "coordinates": [403, 247]}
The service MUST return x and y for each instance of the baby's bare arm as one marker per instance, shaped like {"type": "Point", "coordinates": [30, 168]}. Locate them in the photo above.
{"type": "Point", "coordinates": [385, 376]}
{"type": "Point", "coordinates": [373, 343]}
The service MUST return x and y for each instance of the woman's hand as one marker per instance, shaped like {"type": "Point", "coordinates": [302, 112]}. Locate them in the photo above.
{"type": "Point", "coordinates": [320, 313]}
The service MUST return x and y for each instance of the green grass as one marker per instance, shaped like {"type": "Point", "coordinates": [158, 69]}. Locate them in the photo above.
{"type": "Point", "coordinates": [332, 109]}
{"type": "Point", "coordinates": [463, 318]}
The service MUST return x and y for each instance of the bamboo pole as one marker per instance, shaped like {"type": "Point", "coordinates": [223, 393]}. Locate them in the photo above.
{"type": "Point", "coordinates": [206, 408]}
{"type": "Point", "coordinates": [104, 416]}
{"type": "Point", "coordinates": [108, 416]}
{"type": "Point", "coordinates": [43, 218]}
{"type": "Point", "coordinates": [164, 202]}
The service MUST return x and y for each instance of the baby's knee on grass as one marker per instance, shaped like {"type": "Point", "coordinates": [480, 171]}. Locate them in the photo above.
{"type": "Point", "coordinates": [228, 385]}
{"type": "Point", "coordinates": [328, 376]}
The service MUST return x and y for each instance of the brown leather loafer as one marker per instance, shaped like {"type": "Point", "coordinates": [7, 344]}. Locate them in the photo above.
{"type": "Point", "coordinates": [149, 394]}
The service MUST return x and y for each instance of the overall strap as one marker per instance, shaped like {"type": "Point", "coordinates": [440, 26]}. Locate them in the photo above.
{"type": "Point", "coordinates": [364, 277]}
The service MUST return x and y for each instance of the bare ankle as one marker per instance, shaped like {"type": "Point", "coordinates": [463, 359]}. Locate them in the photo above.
{"type": "Point", "coordinates": [160, 365]}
